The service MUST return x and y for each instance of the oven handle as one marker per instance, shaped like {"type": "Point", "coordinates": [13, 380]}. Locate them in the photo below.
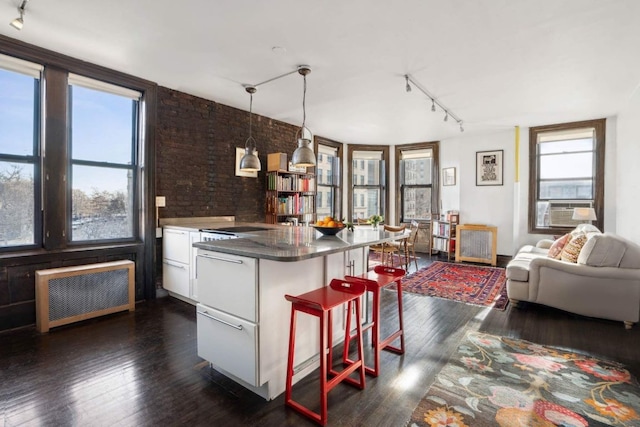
{"type": "Point", "coordinates": [205, 314]}
{"type": "Point", "coordinates": [235, 261]}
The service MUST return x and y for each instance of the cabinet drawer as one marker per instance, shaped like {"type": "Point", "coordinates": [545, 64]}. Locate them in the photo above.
{"type": "Point", "coordinates": [176, 245]}
{"type": "Point", "coordinates": [228, 283]}
{"type": "Point", "coordinates": [175, 277]}
{"type": "Point", "coordinates": [229, 343]}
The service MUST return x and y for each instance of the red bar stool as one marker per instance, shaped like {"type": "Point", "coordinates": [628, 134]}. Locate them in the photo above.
{"type": "Point", "coordinates": [375, 280]}
{"type": "Point", "coordinates": [319, 303]}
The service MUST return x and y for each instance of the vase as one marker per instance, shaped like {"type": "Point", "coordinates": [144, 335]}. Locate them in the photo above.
{"type": "Point", "coordinates": [375, 226]}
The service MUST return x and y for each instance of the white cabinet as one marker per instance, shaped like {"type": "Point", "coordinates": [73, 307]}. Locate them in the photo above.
{"type": "Point", "coordinates": [178, 266]}
{"type": "Point", "coordinates": [228, 341]}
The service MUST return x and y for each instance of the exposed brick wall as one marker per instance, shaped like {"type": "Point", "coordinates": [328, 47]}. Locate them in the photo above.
{"type": "Point", "coordinates": [195, 157]}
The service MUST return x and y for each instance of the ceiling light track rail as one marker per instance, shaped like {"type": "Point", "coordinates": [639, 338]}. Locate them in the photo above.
{"type": "Point", "coordinates": [410, 80]}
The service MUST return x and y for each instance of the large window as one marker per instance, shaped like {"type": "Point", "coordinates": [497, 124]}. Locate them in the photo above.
{"type": "Point", "coordinates": [368, 181]}
{"type": "Point", "coordinates": [103, 141]}
{"type": "Point", "coordinates": [416, 184]}
{"type": "Point", "coordinates": [567, 171]}
{"type": "Point", "coordinates": [328, 180]}
{"type": "Point", "coordinates": [19, 152]}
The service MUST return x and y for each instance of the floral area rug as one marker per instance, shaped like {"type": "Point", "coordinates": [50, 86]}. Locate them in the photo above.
{"type": "Point", "coordinates": [498, 381]}
{"type": "Point", "coordinates": [471, 284]}
{"type": "Point", "coordinates": [375, 258]}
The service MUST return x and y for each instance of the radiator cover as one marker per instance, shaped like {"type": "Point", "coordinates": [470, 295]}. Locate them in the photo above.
{"type": "Point", "coordinates": [71, 294]}
{"type": "Point", "coordinates": [476, 243]}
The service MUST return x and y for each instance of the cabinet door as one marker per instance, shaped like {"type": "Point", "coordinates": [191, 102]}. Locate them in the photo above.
{"type": "Point", "coordinates": [175, 245]}
{"type": "Point", "coordinates": [175, 277]}
{"type": "Point", "coordinates": [228, 342]}
{"type": "Point", "coordinates": [228, 283]}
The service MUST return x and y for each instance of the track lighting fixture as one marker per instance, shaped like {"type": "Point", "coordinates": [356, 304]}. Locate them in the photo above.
{"type": "Point", "coordinates": [408, 86]}
{"type": "Point", "coordinates": [250, 161]}
{"type": "Point", "coordinates": [434, 101]}
{"type": "Point", "coordinates": [18, 23]}
{"type": "Point", "coordinates": [303, 155]}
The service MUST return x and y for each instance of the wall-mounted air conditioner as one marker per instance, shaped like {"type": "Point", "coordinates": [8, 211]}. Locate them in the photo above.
{"type": "Point", "coordinates": [561, 212]}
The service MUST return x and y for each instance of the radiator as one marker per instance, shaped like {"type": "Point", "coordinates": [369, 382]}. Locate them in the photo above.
{"type": "Point", "coordinates": [71, 294]}
{"type": "Point", "coordinates": [476, 243]}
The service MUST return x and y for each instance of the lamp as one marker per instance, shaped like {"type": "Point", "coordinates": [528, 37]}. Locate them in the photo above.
{"type": "Point", "coordinates": [447, 112]}
{"type": "Point", "coordinates": [18, 23]}
{"type": "Point", "coordinates": [250, 161]}
{"type": "Point", "coordinates": [303, 155]}
{"type": "Point", "coordinates": [585, 215]}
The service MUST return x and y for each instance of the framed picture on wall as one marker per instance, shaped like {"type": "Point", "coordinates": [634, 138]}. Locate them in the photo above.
{"type": "Point", "coordinates": [489, 167]}
{"type": "Point", "coordinates": [448, 176]}
{"type": "Point", "coordinates": [239, 154]}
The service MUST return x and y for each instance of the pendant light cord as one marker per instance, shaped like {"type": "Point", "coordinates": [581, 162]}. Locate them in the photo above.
{"type": "Point", "coordinates": [250, 113]}
{"type": "Point", "coordinates": [304, 98]}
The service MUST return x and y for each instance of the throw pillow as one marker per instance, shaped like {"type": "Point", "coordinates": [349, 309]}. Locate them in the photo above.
{"type": "Point", "coordinates": [556, 248]}
{"type": "Point", "coordinates": [571, 250]}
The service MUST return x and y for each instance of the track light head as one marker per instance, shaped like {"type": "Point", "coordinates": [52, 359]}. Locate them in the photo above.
{"type": "Point", "coordinates": [461, 128]}
{"type": "Point", "coordinates": [433, 105]}
{"type": "Point", "coordinates": [446, 116]}
{"type": "Point", "coordinates": [407, 86]}
{"type": "Point", "coordinates": [18, 23]}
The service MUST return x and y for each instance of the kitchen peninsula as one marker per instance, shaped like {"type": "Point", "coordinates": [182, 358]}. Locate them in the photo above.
{"type": "Point", "coordinates": [242, 315]}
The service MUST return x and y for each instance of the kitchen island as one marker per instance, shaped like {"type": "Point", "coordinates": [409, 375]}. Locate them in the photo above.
{"type": "Point", "coordinates": [242, 315]}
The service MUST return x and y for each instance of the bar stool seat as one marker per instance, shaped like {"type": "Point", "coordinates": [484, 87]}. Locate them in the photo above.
{"type": "Point", "coordinates": [375, 280]}
{"type": "Point", "coordinates": [320, 303]}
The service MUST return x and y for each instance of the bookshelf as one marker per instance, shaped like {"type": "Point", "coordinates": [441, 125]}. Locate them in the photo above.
{"type": "Point", "coordinates": [443, 234]}
{"type": "Point", "coordinates": [290, 195]}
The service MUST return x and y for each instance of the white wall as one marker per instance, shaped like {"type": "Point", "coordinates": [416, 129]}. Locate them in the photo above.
{"type": "Point", "coordinates": [627, 197]}
{"type": "Point", "coordinates": [490, 205]}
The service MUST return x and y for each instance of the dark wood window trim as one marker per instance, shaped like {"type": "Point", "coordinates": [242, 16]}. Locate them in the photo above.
{"type": "Point", "coordinates": [435, 183]}
{"type": "Point", "coordinates": [600, 131]}
{"type": "Point", "coordinates": [384, 149]}
{"type": "Point", "coordinates": [339, 150]}
{"type": "Point", "coordinates": [57, 67]}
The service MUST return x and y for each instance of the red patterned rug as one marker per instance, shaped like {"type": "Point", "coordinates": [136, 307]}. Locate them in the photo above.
{"type": "Point", "coordinates": [471, 284]}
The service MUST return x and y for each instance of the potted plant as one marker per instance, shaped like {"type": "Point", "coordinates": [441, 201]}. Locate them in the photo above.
{"type": "Point", "coordinates": [374, 220]}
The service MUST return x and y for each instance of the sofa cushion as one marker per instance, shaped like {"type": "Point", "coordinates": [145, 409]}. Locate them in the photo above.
{"type": "Point", "coordinates": [585, 228]}
{"type": "Point", "coordinates": [518, 267]}
{"type": "Point", "coordinates": [556, 248]}
{"type": "Point", "coordinates": [571, 250]}
{"type": "Point", "coordinates": [602, 250]}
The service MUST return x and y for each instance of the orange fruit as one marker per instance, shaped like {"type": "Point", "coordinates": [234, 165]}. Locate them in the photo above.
{"type": "Point", "coordinates": [331, 224]}
{"type": "Point", "coordinates": [327, 219]}
{"type": "Point", "coordinates": [320, 223]}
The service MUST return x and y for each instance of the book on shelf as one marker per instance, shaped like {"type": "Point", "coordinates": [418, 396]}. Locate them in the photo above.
{"type": "Point", "coordinates": [291, 183]}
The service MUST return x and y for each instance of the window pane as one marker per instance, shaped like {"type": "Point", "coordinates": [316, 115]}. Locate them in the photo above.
{"type": "Point", "coordinates": [102, 203]}
{"type": "Point", "coordinates": [17, 113]}
{"type": "Point", "coordinates": [566, 146]}
{"type": "Point", "coordinates": [417, 171]}
{"type": "Point", "coordinates": [17, 195]}
{"type": "Point", "coordinates": [416, 203]}
{"type": "Point", "coordinates": [371, 205]}
{"type": "Point", "coordinates": [566, 166]}
{"type": "Point", "coordinates": [368, 172]}
{"type": "Point", "coordinates": [542, 214]}
{"type": "Point", "coordinates": [568, 189]}
{"type": "Point", "coordinates": [102, 126]}
{"type": "Point", "coordinates": [325, 202]}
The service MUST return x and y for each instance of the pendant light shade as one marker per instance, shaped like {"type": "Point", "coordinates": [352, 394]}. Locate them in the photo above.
{"type": "Point", "coordinates": [303, 155]}
{"type": "Point", "coordinates": [250, 161]}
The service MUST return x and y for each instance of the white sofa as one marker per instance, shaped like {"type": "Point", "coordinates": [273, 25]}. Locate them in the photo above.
{"type": "Point", "coordinates": [603, 283]}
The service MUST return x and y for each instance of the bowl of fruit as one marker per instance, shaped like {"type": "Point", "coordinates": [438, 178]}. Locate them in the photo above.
{"type": "Point", "coordinates": [329, 226]}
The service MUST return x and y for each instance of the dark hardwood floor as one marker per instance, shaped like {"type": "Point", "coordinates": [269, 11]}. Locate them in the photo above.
{"type": "Point", "coordinates": [141, 368]}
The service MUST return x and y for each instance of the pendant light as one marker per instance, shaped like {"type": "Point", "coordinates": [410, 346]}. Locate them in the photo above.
{"type": "Point", "coordinates": [250, 161]}
{"type": "Point", "coordinates": [303, 155]}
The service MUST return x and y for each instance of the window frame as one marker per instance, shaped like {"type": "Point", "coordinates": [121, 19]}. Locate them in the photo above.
{"type": "Point", "coordinates": [133, 167]}
{"type": "Point", "coordinates": [34, 159]}
{"type": "Point", "coordinates": [383, 187]}
{"type": "Point", "coordinates": [337, 186]}
{"type": "Point", "coordinates": [599, 126]}
{"type": "Point", "coordinates": [434, 146]}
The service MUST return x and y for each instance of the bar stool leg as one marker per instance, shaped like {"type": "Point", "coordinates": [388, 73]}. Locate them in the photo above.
{"type": "Point", "coordinates": [292, 343]}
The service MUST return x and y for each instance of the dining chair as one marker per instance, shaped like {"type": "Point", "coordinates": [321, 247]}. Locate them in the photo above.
{"type": "Point", "coordinates": [388, 249]}
{"type": "Point", "coordinates": [410, 247]}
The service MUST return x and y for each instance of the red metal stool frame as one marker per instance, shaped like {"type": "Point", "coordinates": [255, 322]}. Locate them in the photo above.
{"type": "Point", "coordinates": [375, 280]}
{"type": "Point", "coordinates": [320, 303]}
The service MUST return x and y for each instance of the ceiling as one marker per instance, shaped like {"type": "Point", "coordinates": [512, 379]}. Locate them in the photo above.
{"type": "Point", "coordinates": [494, 63]}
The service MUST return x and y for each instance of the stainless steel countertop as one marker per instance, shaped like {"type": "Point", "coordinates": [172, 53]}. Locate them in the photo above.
{"type": "Point", "coordinates": [289, 244]}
